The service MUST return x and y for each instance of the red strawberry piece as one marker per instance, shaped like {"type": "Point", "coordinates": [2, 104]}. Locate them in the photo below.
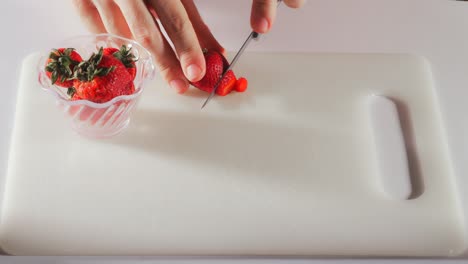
{"type": "Point", "coordinates": [125, 55]}
{"type": "Point", "coordinates": [132, 71]}
{"type": "Point", "coordinates": [75, 97]}
{"type": "Point", "coordinates": [100, 78]}
{"type": "Point", "coordinates": [227, 84]}
{"type": "Point", "coordinates": [241, 85]}
{"type": "Point", "coordinates": [216, 64]}
{"type": "Point", "coordinates": [130, 89]}
{"type": "Point", "coordinates": [109, 51]}
{"type": "Point", "coordinates": [214, 69]}
{"type": "Point", "coordinates": [60, 65]}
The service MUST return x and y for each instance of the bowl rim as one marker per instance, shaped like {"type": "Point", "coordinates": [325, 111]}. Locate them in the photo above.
{"type": "Point", "coordinates": [48, 87]}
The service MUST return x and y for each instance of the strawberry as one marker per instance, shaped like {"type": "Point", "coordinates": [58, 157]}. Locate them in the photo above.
{"type": "Point", "coordinates": [109, 51]}
{"type": "Point", "coordinates": [227, 84]}
{"type": "Point", "coordinates": [214, 69]}
{"type": "Point", "coordinates": [125, 55]}
{"type": "Point", "coordinates": [216, 64]}
{"type": "Point", "coordinates": [60, 65]}
{"type": "Point", "coordinates": [241, 85]}
{"type": "Point", "coordinates": [74, 96]}
{"type": "Point", "coordinates": [130, 89]}
{"type": "Point", "coordinates": [100, 78]}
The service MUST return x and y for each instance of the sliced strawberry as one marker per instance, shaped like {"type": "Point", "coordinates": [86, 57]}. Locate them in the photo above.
{"type": "Point", "coordinates": [227, 84]}
{"type": "Point", "coordinates": [216, 64]}
{"type": "Point", "coordinates": [241, 85]}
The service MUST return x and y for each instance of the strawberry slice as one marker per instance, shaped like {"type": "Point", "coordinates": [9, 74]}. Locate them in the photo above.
{"type": "Point", "coordinates": [227, 84]}
{"type": "Point", "coordinates": [241, 85]}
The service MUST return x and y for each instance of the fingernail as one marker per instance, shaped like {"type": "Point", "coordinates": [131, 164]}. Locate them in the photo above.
{"type": "Point", "coordinates": [179, 85]}
{"type": "Point", "coordinates": [263, 25]}
{"type": "Point", "coordinates": [193, 72]}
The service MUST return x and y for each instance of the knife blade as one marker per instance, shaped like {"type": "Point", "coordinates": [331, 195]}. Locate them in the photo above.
{"type": "Point", "coordinates": [252, 35]}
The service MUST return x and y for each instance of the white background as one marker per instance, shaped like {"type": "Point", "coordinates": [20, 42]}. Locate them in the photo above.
{"type": "Point", "coordinates": [436, 29]}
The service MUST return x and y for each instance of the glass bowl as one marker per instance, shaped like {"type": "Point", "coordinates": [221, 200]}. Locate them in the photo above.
{"type": "Point", "coordinates": [99, 120]}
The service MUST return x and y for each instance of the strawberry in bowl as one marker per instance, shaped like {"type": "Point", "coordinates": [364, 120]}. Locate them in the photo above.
{"type": "Point", "coordinates": [101, 78]}
{"type": "Point", "coordinates": [97, 81]}
{"type": "Point", "coordinates": [60, 65]}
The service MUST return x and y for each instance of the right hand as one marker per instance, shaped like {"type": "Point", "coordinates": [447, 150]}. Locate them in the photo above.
{"type": "Point", "coordinates": [137, 19]}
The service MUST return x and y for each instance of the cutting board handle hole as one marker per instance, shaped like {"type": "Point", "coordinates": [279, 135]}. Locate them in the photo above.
{"type": "Point", "coordinates": [414, 164]}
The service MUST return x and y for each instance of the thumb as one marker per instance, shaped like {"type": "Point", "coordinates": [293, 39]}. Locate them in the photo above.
{"type": "Point", "coordinates": [263, 15]}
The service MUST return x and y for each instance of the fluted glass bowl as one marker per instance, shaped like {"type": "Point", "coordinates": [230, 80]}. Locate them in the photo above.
{"type": "Point", "coordinates": [99, 120]}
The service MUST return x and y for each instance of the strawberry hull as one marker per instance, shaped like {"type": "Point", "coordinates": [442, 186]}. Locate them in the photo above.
{"type": "Point", "coordinates": [60, 65]}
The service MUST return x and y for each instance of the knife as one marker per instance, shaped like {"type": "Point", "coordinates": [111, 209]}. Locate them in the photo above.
{"type": "Point", "coordinates": [252, 35]}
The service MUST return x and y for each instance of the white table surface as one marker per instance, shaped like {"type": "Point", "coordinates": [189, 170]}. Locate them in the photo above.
{"type": "Point", "coordinates": [436, 29]}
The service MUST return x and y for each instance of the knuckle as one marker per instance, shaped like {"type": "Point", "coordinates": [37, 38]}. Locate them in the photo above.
{"type": "Point", "coordinates": [177, 25]}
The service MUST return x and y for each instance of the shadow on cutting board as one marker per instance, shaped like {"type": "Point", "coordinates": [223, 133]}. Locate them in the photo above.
{"type": "Point", "coordinates": [277, 152]}
{"type": "Point", "coordinates": [281, 153]}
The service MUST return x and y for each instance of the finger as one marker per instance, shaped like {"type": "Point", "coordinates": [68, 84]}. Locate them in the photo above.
{"type": "Point", "coordinates": [204, 35]}
{"type": "Point", "coordinates": [263, 15]}
{"type": "Point", "coordinates": [294, 3]}
{"type": "Point", "coordinates": [112, 18]}
{"type": "Point", "coordinates": [89, 15]}
{"type": "Point", "coordinates": [179, 28]}
{"type": "Point", "coordinates": [145, 31]}
{"type": "Point", "coordinates": [152, 11]}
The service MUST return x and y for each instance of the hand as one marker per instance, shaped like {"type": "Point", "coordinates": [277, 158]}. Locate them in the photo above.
{"type": "Point", "coordinates": [264, 13]}
{"type": "Point", "coordinates": [137, 19]}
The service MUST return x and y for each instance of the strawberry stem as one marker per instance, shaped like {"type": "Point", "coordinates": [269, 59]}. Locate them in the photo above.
{"type": "Point", "coordinates": [61, 64]}
{"type": "Point", "coordinates": [126, 56]}
{"type": "Point", "coordinates": [89, 69]}
{"type": "Point", "coordinates": [71, 91]}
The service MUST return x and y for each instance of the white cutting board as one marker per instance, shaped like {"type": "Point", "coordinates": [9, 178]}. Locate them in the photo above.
{"type": "Point", "coordinates": [287, 168]}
